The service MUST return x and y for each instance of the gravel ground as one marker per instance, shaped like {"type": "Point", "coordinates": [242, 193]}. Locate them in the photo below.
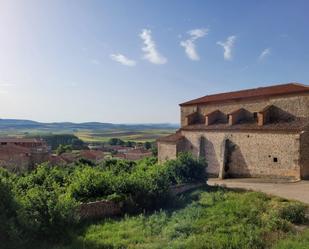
{"type": "Point", "coordinates": [286, 189]}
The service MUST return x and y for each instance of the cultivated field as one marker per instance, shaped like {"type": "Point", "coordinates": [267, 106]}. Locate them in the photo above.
{"type": "Point", "coordinates": [126, 135]}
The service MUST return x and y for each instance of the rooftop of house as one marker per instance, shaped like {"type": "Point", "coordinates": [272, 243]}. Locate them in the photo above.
{"type": "Point", "coordinates": [13, 149]}
{"type": "Point", "coordinates": [19, 140]}
{"type": "Point", "coordinates": [255, 93]}
{"type": "Point", "coordinates": [171, 138]}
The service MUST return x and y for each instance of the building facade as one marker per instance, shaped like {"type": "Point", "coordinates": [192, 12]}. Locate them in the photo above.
{"type": "Point", "coordinates": [262, 132]}
{"type": "Point", "coordinates": [18, 154]}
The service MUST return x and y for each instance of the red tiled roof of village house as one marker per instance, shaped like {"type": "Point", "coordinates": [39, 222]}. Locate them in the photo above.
{"type": "Point", "coordinates": [138, 151]}
{"type": "Point", "coordinates": [92, 154]}
{"type": "Point", "coordinates": [19, 140]}
{"type": "Point", "coordinates": [276, 90]}
{"type": "Point", "coordinates": [14, 149]}
{"type": "Point", "coordinates": [171, 138]}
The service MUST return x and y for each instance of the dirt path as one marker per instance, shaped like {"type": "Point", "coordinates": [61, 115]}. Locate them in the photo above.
{"type": "Point", "coordinates": [289, 190]}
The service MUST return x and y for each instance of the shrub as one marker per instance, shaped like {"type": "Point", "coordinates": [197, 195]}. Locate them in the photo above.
{"type": "Point", "coordinates": [9, 234]}
{"type": "Point", "coordinates": [186, 169]}
{"type": "Point", "coordinates": [90, 183]}
{"type": "Point", "coordinates": [293, 212]}
{"type": "Point", "coordinates": [46, 214]}
{"type": "Point", "coordinates": [41, 204]}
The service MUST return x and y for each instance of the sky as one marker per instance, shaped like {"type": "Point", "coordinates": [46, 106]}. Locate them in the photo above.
{"type": "Point", "coordinates": [134, 61]}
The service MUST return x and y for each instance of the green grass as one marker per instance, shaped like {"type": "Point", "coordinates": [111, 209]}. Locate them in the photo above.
{"type": "Point", "coordinates": [298, 241]}
{"type": "Point", "coordinates": [205, 218]}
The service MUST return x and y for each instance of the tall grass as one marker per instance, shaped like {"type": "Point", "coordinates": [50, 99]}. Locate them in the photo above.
{"type": "Point", "coordinates": [205, 218]}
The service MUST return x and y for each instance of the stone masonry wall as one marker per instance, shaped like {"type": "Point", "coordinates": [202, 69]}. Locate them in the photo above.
{"type": "Point", "coordinates": [254, 154]}
{"type": "Point", "coordinates": [166, 151]}
{"type": "Point", "coordinates": [304, 154]}
{"type": "Point", "coordinates": [98, 209]}
{"type": "Point", "coordinates": [297, 105]}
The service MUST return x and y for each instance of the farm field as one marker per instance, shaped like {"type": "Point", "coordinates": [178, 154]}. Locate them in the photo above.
{"type": "Point", "coordinates": [205, 218]}
{"type": "Point", "coordinates": [126, 135]}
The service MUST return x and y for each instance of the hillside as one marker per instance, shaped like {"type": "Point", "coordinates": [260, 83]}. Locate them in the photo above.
{"type": "Point", "coordinates": [18, 124]}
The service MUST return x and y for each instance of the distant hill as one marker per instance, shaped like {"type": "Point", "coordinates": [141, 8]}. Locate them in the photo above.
{"type": "Point", "coordinates": [9, 125]}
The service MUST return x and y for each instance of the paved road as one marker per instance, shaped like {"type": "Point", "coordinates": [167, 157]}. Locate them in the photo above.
{"type": "Point", "coordinates": [289, 190]}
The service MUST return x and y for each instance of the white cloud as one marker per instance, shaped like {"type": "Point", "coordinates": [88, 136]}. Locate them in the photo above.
{"type": "Point", "coordinates": [227, 46]}
{"type": "Point", "coordinates": [266, 52]}
{"type": "Point", "coordinates": [198, 33]}
{"type": "Point", "coordinates": [189, 44]}
{"type": "Point", "coordinates": [123, 60]}
{"type": "Point", "coordinates": [150, 51]}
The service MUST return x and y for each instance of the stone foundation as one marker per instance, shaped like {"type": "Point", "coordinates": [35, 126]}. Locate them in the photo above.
{"type": "Point", "coordinates": [99, 209]}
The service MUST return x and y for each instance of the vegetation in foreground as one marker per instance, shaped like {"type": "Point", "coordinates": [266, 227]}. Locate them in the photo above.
{"type": "Point", "coordinates": [41, 205]}
{"type": "Point", "coordinates": [37, 209]}
{"type": "Point", "coordinates": [211, 218]}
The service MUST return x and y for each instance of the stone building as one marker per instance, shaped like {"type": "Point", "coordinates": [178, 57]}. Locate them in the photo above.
{"type": "Point", "coordinates": [18, 154]}
{"type": "Point", "coordinates": [261, 132]}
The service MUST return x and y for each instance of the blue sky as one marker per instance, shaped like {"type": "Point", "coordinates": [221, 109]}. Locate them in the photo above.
{"type": "Point", "coordinates": [135, 61]}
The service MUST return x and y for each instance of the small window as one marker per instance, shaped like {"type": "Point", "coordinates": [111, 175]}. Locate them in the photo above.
{"type": "Point", "coordinates": [275, 159]}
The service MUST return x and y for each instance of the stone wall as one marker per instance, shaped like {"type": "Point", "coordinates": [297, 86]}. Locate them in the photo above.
{"type": "Point", "coordinates": [99, 209]}
{"type": "Point", "coordinates": [297, 105]}
{"type": "Point", "coordinates": [181, 188]}
{"type": "Point", "coordinates": [166, 151]}
{"type": "Point", "coordinates": [304, 154]}
{"type": "Point", "coordinates": [253, 154]}
{"type": "Point", "coordinates": [15, 163]}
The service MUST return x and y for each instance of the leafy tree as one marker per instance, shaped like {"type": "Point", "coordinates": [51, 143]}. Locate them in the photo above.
{"type": "Point", "coordinates": [147, 145]}
{"type": "Point", "coordinates": [154, 151]}
{"type": "Point", "coordinates": [8, 211]}
{"type": "Point", "coordinates": [116, 141]}
{"type": "Point", "coordinates": [130, 143]}
{"type": "Point", "coordinates": [63, 148]}
{"type": "Point", "coordinates": [54, 140]}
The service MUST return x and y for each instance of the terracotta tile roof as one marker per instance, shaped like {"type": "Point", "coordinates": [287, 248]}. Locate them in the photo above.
{"type": "Point", "coordinates": [296, 126]}
{"type": "Point", "coordinates": [19, 140]}
{"type": "Point", "coordinates": [14, 149]}
{"type": "Point", "coordinates": [171, 138]}
{"type": "Point", "coordinates": [276, 90]}
{"type": "Point", "coordinates": [92, 154]}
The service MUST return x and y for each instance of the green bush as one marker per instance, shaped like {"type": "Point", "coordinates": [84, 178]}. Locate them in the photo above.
{"type": "Point", "coordinates": [293, 212]}
{"type": "Point", "coordinates": [9, 233]}
{"type": "Point", "coordinates": [41, 204]}
{"type": "Point", "coordinates": [46, 214]}
{"type": "Point", "coordinates": [35, 206]}
{"type": "Point", "coordinates": [186, 169]}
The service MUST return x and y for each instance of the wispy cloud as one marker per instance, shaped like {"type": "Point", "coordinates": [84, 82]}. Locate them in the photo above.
{"type": "Point", "coordinates": [150, 50]}
{"type": "Point", "coordinates": [227, 47]}
{"type": "Point", "coordinates": [189, 44]}
{"type": "Point", "coordinates": [123, 60]}
{"type": "Point", "coordinates": [266, 52]}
